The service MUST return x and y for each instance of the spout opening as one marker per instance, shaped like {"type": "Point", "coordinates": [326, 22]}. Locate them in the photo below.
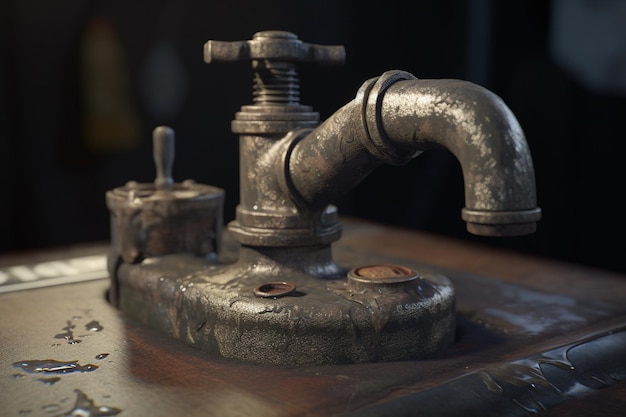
{"type": "Point", "coordinates": [499, 230]}
{"type": "Point", "coordinates": [501, 223]}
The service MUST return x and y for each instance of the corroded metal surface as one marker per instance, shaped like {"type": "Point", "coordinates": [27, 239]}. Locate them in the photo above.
{"type": "Point", "coordinates": [282, 297]}
{"type": "Point", "coordinates": [319, 322]}
{"type": "Point", "coordinates": [395, 117]}
{"type": "Point", "coordinates": [148, 222]}
{"type": "Point", "coordinates": [164, 217]}
{"type": "Point", "coordinates": [293, 170]}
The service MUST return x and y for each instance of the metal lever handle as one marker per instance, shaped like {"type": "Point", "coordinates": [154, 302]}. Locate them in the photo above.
{"type": "Point", "coordinates": [163, 150]}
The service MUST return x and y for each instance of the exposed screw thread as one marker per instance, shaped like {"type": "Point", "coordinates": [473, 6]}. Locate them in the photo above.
{"type": "Point", "coordinates": [276, 83]}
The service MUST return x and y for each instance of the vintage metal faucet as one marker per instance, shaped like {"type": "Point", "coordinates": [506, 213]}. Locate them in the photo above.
{"type": "Point", "coordinates": [272, 289]}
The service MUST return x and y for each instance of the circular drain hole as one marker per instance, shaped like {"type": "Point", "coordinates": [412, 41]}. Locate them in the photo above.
{"type": "Point", "coordinates": [274, 289]}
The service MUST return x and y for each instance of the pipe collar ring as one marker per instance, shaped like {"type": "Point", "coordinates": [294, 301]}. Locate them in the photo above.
{"type": "Point", "coordinates": [378, 143]}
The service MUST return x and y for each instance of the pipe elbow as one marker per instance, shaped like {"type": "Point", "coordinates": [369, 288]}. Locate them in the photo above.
{"type": "Point", "coordinates": [396, 117]}
{"type": "Point", "coordinates": [482, 133]}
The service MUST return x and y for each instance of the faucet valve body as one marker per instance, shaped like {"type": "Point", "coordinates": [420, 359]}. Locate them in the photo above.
{"type": "Point", "coordinates": [269, 213]}
{"type": "Point", "coordinates": [277, 293]}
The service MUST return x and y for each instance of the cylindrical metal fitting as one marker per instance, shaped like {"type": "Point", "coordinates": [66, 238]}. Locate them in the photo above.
{"type": "Point", "coordinates": [148, 222]}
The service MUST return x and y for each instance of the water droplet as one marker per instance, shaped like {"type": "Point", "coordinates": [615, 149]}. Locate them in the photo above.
{"type": "Point", "coordinates": [85, 407]}
{"type": "Point", "coordinates": [50, 366]}
{"type": "Point", "coordinates": [50, 408]}
{"type": "Point", "coordinates": [533, 408]}
{"type": "Point", "coordinates": [68, 334]}
{"type": "Point", "coordinates": [490, 383]}
{"type": "Point", "coordinates": [93, 326]}
{"type": "Point", "coordinates": [603, 382]}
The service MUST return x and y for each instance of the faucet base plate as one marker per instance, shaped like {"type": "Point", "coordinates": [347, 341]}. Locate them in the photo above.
{"type": "Point", "coordinates": [324, 321]}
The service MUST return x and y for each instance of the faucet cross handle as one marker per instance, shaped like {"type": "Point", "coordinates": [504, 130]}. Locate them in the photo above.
{"type": "Point", "coordinates": [274, 55]}
{"type": "Point", "coordinates": [273, 45]}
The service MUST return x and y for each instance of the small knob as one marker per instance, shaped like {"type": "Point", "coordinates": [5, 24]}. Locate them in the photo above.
{"type": "Point", "coordinates": [163, 150]}
{"type": "Point", "coordinates": [273, 45]}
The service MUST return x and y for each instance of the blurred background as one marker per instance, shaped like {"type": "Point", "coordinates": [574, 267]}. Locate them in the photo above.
{"type": "Point", "coordinates": [83, 83]}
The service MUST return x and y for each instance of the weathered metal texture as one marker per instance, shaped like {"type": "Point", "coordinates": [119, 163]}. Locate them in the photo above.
{"type": "Point", "coordinates": [164, 217]}
{"type": "Point", "coordinates": [274, 45]}
{"type": "Point", "coordinates": [395, 117]}
{"type": "Point", "coordinates": [290, 176]}
{"type": "Point", "coordinates": [147, 222]}
{"type": "Point", "coordinates": [267, 214]}
{"type": "Point", "coordinates": [317, 322]}
{"type": "Point", "coordinates": [283, 299]}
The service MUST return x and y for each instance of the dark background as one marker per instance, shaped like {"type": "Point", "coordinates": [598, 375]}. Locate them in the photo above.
{"type": "Point", "coordinates": [83, 83]}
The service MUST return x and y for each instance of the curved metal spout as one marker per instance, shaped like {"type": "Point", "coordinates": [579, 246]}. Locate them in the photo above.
{"type": "Point", "coordinates": [394, 118]}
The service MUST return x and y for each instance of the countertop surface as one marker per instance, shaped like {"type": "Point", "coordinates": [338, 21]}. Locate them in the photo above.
{"type": "Point", "coordinates": [533, 336]}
